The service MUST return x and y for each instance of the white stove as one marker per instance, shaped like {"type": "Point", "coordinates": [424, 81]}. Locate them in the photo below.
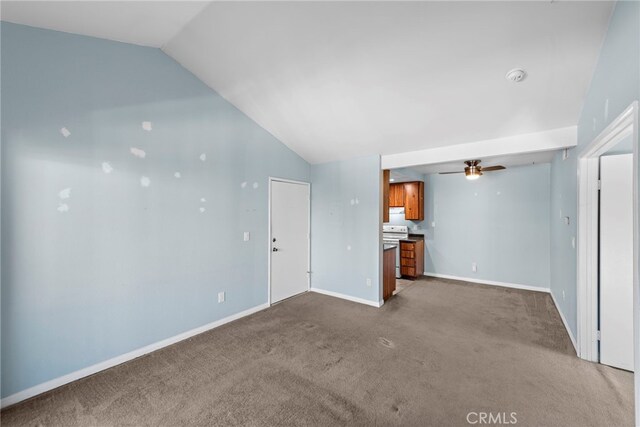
{"type": "Point", "coordinates": [392, 234]}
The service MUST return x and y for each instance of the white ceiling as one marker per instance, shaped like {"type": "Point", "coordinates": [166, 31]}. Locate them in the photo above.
{"type": "Point", "coordinates": [146, 23]}
{"type": "Point", "coordinates": [506, 161]}
{"type": "Point", "coordinates": [334, 80]}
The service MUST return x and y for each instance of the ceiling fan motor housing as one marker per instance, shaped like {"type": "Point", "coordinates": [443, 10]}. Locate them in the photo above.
{"type": "Point", "coordinates": [473, 169]}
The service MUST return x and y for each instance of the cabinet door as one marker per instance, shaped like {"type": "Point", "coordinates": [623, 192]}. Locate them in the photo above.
{"type": "Point", "coordinates": [386, 195]}
{"type": "Point", "coordinates": [414, 201]}
{"type": "Point", "coordinates": [396, 195]}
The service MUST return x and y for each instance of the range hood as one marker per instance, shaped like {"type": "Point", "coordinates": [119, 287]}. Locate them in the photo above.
{"type": "Point", "coordinates": [396, 211]}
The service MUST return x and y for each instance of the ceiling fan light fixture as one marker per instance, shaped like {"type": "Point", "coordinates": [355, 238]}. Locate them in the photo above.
{"type": "Point", "coordinates": [472, 172]}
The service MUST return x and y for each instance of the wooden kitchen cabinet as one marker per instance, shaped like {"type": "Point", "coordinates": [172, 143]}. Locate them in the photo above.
{"type": "Point", "coordinates": [389, 273]}
{"type": "Point", "coordinates": [385, 194]}
{"type": "Point", "coordinates": [396, 195]}
{"type": "Point", "coordinates": [414, 200]}
{"type": "Point", "coordinates": [412, 258]}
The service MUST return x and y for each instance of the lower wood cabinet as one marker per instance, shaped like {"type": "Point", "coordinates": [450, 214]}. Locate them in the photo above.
{"type": "Point", "coordinates": [412, 258]}
{"type": "Point", "coordinates": [389, 273]}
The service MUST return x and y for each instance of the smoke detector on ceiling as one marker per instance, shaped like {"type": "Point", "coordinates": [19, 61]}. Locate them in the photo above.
{"type": "Point", "coordinates": [516, 75]}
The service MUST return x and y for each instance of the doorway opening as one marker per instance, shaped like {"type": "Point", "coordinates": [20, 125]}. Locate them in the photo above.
{"type": "Point", "coordinates": [610, 161]}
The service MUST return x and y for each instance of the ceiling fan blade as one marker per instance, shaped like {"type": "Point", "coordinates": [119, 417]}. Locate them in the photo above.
{"type": "Point", "coordinates": [493, 168]}
{"type": "Point", "coordinates": [447, 173]}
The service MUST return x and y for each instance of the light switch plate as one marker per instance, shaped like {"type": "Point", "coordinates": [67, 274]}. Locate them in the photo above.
{"type": "Point", "coordinates": [247, 236]}
{"type": "Point", "coordinates": [221, 296]}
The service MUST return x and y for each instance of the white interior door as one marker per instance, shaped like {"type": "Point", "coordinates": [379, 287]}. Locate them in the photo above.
{"type": "Point", "coordinates": [289, 239]}
{"type": "Point", "coordinates": [616, 261]}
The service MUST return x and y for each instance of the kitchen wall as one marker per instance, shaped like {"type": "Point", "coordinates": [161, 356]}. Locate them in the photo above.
{"type": "Point", "coordinates": [346, 227]}
{"type": "Point", "coordinates": [500, 222]}
{"type": "Point", "coordinates": [614, 86]}
{"type": "Point", "coordinates": [127, 185]}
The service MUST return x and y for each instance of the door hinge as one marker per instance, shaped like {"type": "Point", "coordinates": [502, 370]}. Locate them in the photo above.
{"type": "Point", "coordinates": [598, 335]}
{"type": "Point", "coordinates": [599, 185]}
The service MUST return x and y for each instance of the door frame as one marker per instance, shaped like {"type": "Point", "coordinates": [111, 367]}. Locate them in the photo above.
{"type": "Point", "coordinates": [269, 253]}
{"type": "Point", "coordinates": [587, 238]}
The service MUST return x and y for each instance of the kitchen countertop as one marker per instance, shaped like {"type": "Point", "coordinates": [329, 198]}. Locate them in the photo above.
{"type": "Point", "coordinates": [413, 238]}
{"type": "Point", "coordinates": [389, 246]}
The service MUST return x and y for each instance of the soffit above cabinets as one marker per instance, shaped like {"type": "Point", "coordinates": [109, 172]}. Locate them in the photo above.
{"type": "Point", "coordinates": [509, 161]}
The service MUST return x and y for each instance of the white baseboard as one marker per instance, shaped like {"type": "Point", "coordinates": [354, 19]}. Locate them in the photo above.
{"type": "Point", "coordinates": [73, 376]}
{"type": "Point", "coordinates": [348, 297]}
{"type": "Point", "coordinates": [564, 321]}
{"type": "Point", "coordinates": [490, 282]}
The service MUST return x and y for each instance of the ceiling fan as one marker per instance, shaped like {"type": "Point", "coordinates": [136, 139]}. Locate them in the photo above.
{"type": "Point", "coordinates": [473, 170]}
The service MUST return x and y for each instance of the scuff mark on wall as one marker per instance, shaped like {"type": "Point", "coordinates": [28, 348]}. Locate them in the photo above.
{"type": "Point", "coordinates": [146, 126]}
{"type": "Point", "coordinates": [138, 152]}
{"type": "Point", "coordinates": [65, 132]}
{"type": "Point", "coordinates": [106, 167]}
{"type": "Point", "coordinates": [203, 200]}
{"type": "Point", "coordinates": [202, 210]}
{"type": "Point", "coordinates": [255, 185]}
{"type": "Point", "coordinates": [177, 175]}
{"type": "Point", "coordinates": [243, 185]}
{"type": "Point", "coordinates": [203, 157]}
{"type": "Point", "coordinates": [63, 207]}
{"type": "Point", "coordinates": [145, 181]}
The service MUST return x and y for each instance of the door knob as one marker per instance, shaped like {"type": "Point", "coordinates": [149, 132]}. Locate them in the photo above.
{"type": "Point", "coordinates": [275, 249]}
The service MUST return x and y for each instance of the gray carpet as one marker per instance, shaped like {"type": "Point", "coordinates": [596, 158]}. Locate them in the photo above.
{"type": "Point", "coordinates": [429, 356]}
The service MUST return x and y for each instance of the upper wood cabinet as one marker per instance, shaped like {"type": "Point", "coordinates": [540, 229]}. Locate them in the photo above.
{"type": "Point", "coordinates": [385, 197]}
{"type": "Point", "coordinates": [413, 200]}
{"type": "Point", "coordinates": [396, 195]}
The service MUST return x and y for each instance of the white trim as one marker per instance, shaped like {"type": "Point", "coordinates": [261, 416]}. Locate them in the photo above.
{"type": "Point", "coordinates": [564, 321]}
{"type": "Point", "coordinates": [490, 282]}
{"type": "Point", "coordinates": [550, 140]}
{"type": "Point", "coordinates": [348, 297]}
{"type": "Point", "coordinates": [90, 370]}
{"type": "Point", "coordinates": [269, 253]}
{"type": "Point", "coordinates": [587, 233]}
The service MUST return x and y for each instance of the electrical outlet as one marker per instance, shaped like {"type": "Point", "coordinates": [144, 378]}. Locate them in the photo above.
{"type": "Point", "coordinates": [474, 267]}
{"type": "Point", "coordinates": [368, 283]}
{"type": "Point", "coordinates": [247, 236]}
{"type": "Point", "coordinates": [221, 296]}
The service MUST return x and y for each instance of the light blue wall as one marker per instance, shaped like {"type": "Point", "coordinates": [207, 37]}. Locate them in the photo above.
{"type": "Point", "coordinates": [346, 226]}
{"type": "Point", "coordinates": [500, 221]}
{"type": "Point", "coordinates": [126, 266]}
{"type": "Point", "coordinates": [615, 85]}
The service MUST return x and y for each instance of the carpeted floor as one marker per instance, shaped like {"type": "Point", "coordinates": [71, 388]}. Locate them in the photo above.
{"type": "Point", "coordinates": [402, 284]}
{"type": "Point", "coordinates": [432, 354]}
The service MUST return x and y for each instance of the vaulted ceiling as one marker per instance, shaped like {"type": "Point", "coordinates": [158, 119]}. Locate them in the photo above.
{"type": "Point", "coordinates": [334, 80]}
